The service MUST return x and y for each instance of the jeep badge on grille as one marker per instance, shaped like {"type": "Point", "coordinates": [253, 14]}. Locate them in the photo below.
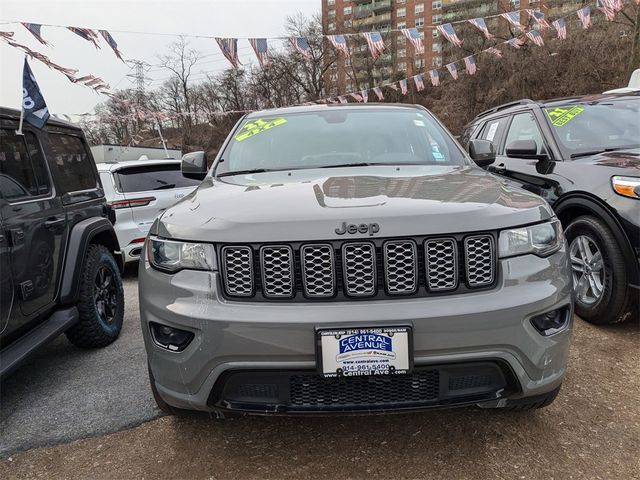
{"type": "Point", "coordinates": [352, 229]}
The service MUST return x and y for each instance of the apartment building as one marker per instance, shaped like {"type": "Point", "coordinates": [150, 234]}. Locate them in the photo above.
{"type": "Point", "coordinates": [355, 16]}
{"type": "Point", "coordinates": [400, 61]}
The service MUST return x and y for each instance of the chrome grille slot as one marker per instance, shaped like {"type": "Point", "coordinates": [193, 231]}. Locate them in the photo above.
{"type": "Point", "coordinates": [238, 271]}
{"type": "Point", "coordinates": [441, 256]}
{"type": "Point", "coordinates": [401, 267]}
{"type": "Point", "coordinates": [318, 277]}
{"type": "Point", "coordinates": [359, 264]}
{"type": "Point", "coordinates": [277, 271]}
{"type": "Point", "coordinates": [479, 255]}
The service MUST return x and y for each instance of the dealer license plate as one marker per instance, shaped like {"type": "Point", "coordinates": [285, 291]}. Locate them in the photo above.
{"type": "Point", "coordinates": [364, 351]}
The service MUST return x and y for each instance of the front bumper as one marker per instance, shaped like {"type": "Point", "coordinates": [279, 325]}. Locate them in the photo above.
{"type": "Point", "coordinates": [483, 328]}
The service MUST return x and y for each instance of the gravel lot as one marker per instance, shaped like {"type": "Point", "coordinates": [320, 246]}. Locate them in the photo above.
{"type": "Point", "coordinates": [592, 431]}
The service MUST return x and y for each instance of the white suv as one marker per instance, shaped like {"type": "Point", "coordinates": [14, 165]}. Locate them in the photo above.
{"type": "Point", "coordinates": [138, 191]}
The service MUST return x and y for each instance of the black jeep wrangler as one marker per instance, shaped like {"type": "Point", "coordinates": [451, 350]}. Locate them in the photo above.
{"type": "Point", "coordinates": [60, 267]}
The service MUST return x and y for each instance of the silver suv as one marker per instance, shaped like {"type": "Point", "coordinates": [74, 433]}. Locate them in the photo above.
{"type": "Point", "coordinates": [353, 258]}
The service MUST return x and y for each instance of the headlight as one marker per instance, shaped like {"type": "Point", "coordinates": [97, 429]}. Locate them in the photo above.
{"type": "Point", "coordinates": [542, 240]}
{"type": "Point", "coordinates": [626, 186]}
{"type": "Point", "coordinates": [171, 256]}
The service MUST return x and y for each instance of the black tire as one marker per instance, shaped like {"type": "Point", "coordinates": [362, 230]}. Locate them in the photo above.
{"type": "Point", "coordinates": [616, 302]}
{"type": "Point", "coordinates": [532, 403]}
{"type": "Point", "coordinates": [101, 309]}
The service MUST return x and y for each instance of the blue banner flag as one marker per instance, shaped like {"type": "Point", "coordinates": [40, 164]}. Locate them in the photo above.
{"type": "Point", "coordinates": [34, 108]}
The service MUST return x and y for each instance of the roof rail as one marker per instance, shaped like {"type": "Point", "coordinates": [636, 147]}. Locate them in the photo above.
{"type": "Point", "coordinates": [524, 101]}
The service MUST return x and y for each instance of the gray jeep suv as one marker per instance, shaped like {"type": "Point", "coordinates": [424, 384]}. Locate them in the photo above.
{"type": "Point", "coordinates": [353, 258]}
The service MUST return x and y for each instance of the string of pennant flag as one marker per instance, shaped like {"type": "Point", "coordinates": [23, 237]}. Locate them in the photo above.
{"type": "Point", "coordinates": [418, 81]}
{"type": "Point", "coordinates": [374, 41]}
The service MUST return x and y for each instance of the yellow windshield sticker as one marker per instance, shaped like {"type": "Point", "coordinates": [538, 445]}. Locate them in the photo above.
{"type": "Point", "coordinates": [560, 116]}
{"type": "Point", "coordinates": [258, 126]}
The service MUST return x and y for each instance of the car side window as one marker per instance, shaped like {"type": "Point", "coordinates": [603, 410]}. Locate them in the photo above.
{"type": "Point", "coordinates": [73, 161]}
{"type": "Point", "coordinates": [494, 129]}
{"type": "Point", "coordinates": [524, 127]}
{"type": "Point", "coordinates": [22, 169]}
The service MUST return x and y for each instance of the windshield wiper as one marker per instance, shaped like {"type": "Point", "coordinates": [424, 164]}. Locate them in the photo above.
{"type": "Point", "coordinates": [602, 150]}
{"type": "Point", "coordinates": [244, 172]}
{"type": "Point", "coordinates": [166, 187]}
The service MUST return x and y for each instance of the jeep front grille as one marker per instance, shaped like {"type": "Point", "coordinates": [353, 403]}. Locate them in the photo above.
{"type": "Point", "coordinates": [238, 271]}
{"type": "Point", "coordinates": [277, 271]}
{"type": "Point", "coordinates": [442, 264]}
{"type": "Point", "coordinates": [318, 276]}
{"type": "Point", "coordinates": [359, 263]}
{"type": "Point", "coordinates": [479, 254]}
{"type": "Point", "coordinates": [401, 267]}
{"type": "Point", "coordinates": [372, 269]}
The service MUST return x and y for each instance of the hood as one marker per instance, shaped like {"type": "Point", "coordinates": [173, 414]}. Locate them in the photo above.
{"type": "Point", "coordinates": [312, 204]}
{"type": "Point", "coordinates": [626, 159]}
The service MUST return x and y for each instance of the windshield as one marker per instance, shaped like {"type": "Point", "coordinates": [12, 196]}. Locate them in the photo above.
{"type": "Point", "coordinates": [339, 137]}
{"type": "Point", "coordinates": [597, 126]}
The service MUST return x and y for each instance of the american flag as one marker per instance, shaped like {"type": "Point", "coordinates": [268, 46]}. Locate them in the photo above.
{"type": "Point", "coordinates": [356, 97]}
{"type": "Point", "coordinates": [414, 37]}
{"type": "Point", "coordinates": [375, 42]}
{"type": "Point", "coordinates": [419, 82]}
{"type": "Point", "coordinates": [87, 34]}
{"type": "Point", "coordinates": [112, 43]}
{"type": "Point", "coordinates": [340, 43]}
{"type": "Point", "coordinates": [378, 92]}
{"type": "Point", "coordinates": [34, 29]}
{"type": "Point", "coordinates": [262, 51]}
{"type": "Point", "coordinates": [450, 34]}
{"type": "Point", "coordinates": [229, 48]}
{"type": "Point", "coordinates": [535, 37]}
{"type": "Point", "coordinates": [365, 95]}
{"type": "Point", "coordinates": [470, 64]}
{"type": "Point", "coordinates": [608, 7]}
{"type": "Point", "coordinates": [494, 51]}
{"type": "Point", "coordinates": [434, 75]}
{"type": "Point", "coordinates": [6, 35]}
{"type": "Point", "coordinates": [538, 17]}
{"type": "Point", "coordinates": [561, 28]}
{"type": "Point", "coordinates": [453, 70]}
{"type": "Point", "coordinates": [513, 18]}
{"type": "Point", "coordinates": [301, 45]}
{"type": "Point", "coordinates": [481, 25]}
{"type": "Point", "coordinates": [515, 42]}
{"type": "Point", "coordinates": [584, 14]}
{"type": "Point", "coordinates": [342, 99]}
{"type": "Point", "coordinates": [404, 88]}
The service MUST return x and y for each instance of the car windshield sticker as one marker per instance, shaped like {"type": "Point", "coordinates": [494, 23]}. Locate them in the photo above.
{"type": "Point", "coordinates": [560, 116]}
{"type": "Point", "coordinates": [258, 126]}
{"type": "Point", "coordinates": [492, 131]}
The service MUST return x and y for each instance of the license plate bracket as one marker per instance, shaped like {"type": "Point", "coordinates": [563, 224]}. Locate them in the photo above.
{"type": "Point", "coordinates": [364, 351]}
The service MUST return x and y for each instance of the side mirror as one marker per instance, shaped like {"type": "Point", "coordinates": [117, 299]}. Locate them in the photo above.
{"type": "Point", "coordinates": [482, 152]}
{"type": "Point", "coordinates": [194, 165]}
{"type": "Point", "coordinates": [522, 149]}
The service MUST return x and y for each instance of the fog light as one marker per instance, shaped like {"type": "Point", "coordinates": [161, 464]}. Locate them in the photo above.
{"type": "Point", "coordinates": [170, 338]}
{"type": "Point", "coordinates": [551, 322]}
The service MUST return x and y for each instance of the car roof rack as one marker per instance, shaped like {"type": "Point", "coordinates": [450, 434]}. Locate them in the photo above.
{"type": "Point", "coordinates": [524, 101]}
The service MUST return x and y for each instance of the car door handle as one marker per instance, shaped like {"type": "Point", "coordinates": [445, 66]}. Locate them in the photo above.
{"type": "Point", "coordinates": [55, 222]}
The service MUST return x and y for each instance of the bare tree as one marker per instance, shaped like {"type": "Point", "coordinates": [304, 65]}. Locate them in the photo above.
{"type": "Point", "coordinates": [180, 61]}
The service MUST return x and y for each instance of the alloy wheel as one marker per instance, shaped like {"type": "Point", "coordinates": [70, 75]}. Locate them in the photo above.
{"type": "Point", "coordinates": [105, 294]}
{"type": "Point", "coordinates": [588, 270]}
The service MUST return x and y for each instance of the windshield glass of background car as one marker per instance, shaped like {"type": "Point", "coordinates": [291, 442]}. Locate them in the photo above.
{"type": "Point", "coordinates": [338, 136]}
{"type": "Point", "coordinates": [596, 126]}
